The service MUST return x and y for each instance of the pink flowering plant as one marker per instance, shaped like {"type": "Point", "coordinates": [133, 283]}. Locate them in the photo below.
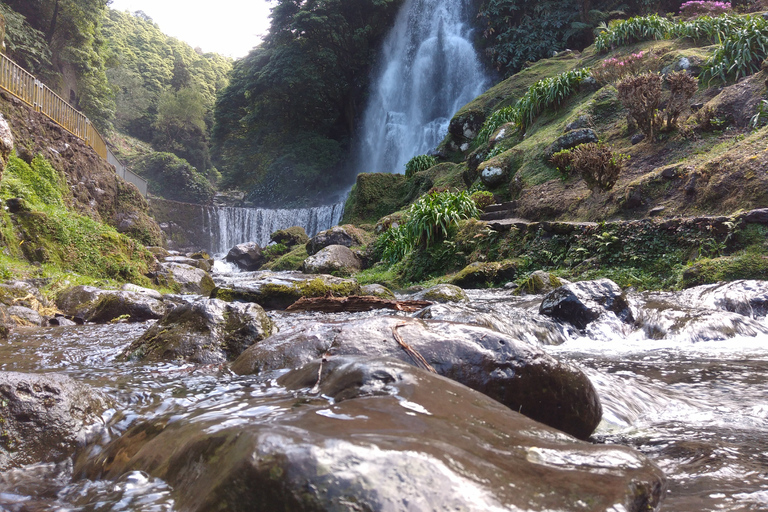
{"type": "Point", "coordinates": [616, 68]}
{"type": "Point", "coordinates": [696, 8]}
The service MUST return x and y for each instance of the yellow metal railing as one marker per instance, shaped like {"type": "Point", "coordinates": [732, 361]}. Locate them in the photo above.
{"type": "Point", "coordinates": [17, 81]}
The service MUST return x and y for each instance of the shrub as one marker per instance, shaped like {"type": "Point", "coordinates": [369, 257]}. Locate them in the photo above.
{"type": "Point", "coordinates": [173, 178]}
{"type": "Point", "coordinates": [682, 87]}
{"type": "Point", "coordinates": [616, 68]}
{"type": "Point", "coordinates": [562, 161]}
{"type": "Point", "coordinates": [428, 221]}
{"type": "Point", "coordinates": [419, 163]}
{"type": "Point", "coordinates": [543, 94]}
{"type": "Point", "coordinates": [741, 52]}
{"type": "Point", "coordinates": [633, 30]}
{"type": "Point", "coordinates": [482, 198]}
{"type": "Point", "coordinates": [641, 95]}
{"type": "Point", "coordinates": [696, 8]}
{"type": "Point", "coordinates": [597, 164]}
{"type": "Point", "coordinates": [760, 118]}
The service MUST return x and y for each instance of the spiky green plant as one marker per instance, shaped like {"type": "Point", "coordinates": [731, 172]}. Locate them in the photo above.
{"type": "Point", "coordinates": [539, 96]}
{"type": "Point", "coordinates": [633, 30]}
{"type": "Point", "coordinates": [740, 53]}
{"type": "Point", "coordinates": [419, 163]}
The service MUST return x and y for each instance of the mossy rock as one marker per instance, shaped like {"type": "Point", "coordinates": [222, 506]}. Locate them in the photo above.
{"type": "Point", "coordinates": [291, 261]}
{"type": "Point", "coordinates": [374, 196]}
{"type": "Point", "coordinates": [485, 274]}
{"type": "Point", "coordinates": [726, 268]}
{"type": "Point", "coordinates": [539, 282]}
{"type": "Point", "coordinates": [443, 293]}
{"type": "Point", "coordinates": [290, 237]}
{"type": "Point", "coordinates": [278, 291]}
{"type": "Point", "coordinates": [377, 290]}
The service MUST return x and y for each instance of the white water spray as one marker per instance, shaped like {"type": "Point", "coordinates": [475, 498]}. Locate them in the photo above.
{"type": "Point", "coordinates": [429, 70]}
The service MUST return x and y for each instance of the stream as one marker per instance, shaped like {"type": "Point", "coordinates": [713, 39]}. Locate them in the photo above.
{"type": "Point", "coordinates": [691, 398]}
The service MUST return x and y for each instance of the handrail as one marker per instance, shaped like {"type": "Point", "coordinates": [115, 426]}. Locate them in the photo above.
{"type": "Point", "coordinates": [17, 81]}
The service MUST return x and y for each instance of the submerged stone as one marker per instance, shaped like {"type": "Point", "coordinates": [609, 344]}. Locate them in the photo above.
{"type": "Point", "coordinates": [375, 434]}
{"type": "Point", "coordinates": [514, 372]}
{"type": "Point", "coordinates": [43, 417]}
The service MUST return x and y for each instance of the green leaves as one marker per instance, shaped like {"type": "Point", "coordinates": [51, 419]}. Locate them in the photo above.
{"type": "Point", "coordinates": [633, 30]}
{"type": "Point", "coordinates": [541, 95]}
{"type": "Point", "coordinates": [741, 51]}
{"type": "Point", "coordinates": [429, 220]}
{"type": "Point", "coordinates": [419, 163]}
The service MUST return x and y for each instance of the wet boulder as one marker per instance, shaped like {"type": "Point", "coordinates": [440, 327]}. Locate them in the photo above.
{"type": "Point", "coordinates": [540, 282]}
{"type": "Point", "coordinates": [745, 297]}
{"type": "Point", "coordinates": [516, 373]}
{"type": "Point", "coordinates": [290, 237]}
{"type": "Point", "coordinates": [22, 315]}
{"type": "Point", "coordinates": [101, 306]}
{"type": "Point", "coordinates": [505, 318]}
{"type": "Point", "coordinates": [337, 259]}
{"type": "Point", "coordinates": [272, 290]}
{"type": "Point", "coordinates": [442, 293]}
{"type": "Point", "coordinates": [374, 434]}
{"type": "Point", "coordinates": [337, 235]}
{"type": "Point", "coordinates": [43, 417]}
{"type": "Point", "coordinates": [192, 262]}
{"type": "Point", "coordinates": [581, 303]}
{"type": "Point", "coordinates": [377, 290]}
{"type": "Point", "coordinates": [485, 274]}
{"type": "Point", "coordinates": [205, 331]}
{"type": "Point", "coordinates": [247, 256]}
{"type": "Point", "coordinates": [189, 279]}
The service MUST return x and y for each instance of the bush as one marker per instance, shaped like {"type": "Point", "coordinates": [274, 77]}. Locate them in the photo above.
{"type": "Point", "coordinates": [173, 178]}
{"type": "Point", "coordinates": [419, 163]}
{"type": "Point", "coordinates": [760, 118]}
{"type": "Point", "coordinates": [597, 164]}
{"type": "Point", "coordinates": [541, 95]}
{"type": "Point", "coordinates": [696, 8]}
{"type": "Point", "coordinates": [741, 52]}
{"type": "Point", "coordinates": [641, 95]}
{"type": "Point", "coordinates": [482, 198]}
{"type": "Point", "coordinates": [616, 68]}
{"type": "Point", "coordinates": [562, 161]}
{"type": "Point", "coordinates": [682, 87]}
{"type": "Point", "coordinates": [428, 221]}
{"type": "Point", "coordinates": [633, 30]}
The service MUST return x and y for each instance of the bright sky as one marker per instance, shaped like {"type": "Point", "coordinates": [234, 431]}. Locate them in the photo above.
{"type": "Point", "coordinates": [228, 27]}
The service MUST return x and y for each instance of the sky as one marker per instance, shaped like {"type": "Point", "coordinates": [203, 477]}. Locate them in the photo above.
{"type": "Point", "coordinates": [228, 27]}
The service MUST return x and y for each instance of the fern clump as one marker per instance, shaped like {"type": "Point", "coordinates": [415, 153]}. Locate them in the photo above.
{"type": "Point", "coordinates": [419, 163]}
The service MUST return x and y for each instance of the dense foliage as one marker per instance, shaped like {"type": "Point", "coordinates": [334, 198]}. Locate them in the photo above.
{"type": "Point", "coordinates": [64, 40]}
{"type": "Point", "coordinates": [174, 178]}
{"type": "Point", "coordinates": [165, 90]}
{"type": "Point", "coordinates": [419, 163]}
{"type": "Point", "coordinates": [288, 114]}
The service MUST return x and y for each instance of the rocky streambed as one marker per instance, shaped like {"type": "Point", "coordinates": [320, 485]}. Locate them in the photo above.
{"type": "Point", "coordinates": [582, 399]}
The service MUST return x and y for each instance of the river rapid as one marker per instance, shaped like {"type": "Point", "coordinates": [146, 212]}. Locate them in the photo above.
{"type": "Point", "coordinates": [687, 386]}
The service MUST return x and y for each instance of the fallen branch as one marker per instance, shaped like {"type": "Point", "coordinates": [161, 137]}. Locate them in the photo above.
{"type": "Point", "coordinates": [420, 361]}
{"type": "Point", "coordinates": [355, 303]}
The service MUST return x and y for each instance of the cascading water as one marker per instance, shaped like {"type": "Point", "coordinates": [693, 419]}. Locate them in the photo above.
{"type": "Point", "coordinates": [229, 226]}
{"type": "Point", "coordinates": [429, 70]}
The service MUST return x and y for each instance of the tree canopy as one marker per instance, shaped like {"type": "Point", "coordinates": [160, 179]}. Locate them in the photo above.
{"type": "Point", "coordinates": [292, 103]}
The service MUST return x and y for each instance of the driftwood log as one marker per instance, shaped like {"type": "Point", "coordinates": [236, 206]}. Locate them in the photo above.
{"type": "Point", "coordinates": [355, 303]}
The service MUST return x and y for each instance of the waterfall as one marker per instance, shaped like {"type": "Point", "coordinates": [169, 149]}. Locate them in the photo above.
{"type": "Point", "coordinates": [229, 226]}
{"type": "Point", "coordinates": [428, 70]}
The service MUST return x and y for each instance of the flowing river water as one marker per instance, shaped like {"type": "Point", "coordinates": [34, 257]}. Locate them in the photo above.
{"type": "Point", "coordinates": [689, 389]}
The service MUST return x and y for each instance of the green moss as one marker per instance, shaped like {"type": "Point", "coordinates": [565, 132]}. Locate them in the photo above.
{"type": "Point", "coordinates": [291, 261]}
{"type": "Point", "coordinates": [727, 268]}
{"type": "Point", "coordinates": [374, 196]}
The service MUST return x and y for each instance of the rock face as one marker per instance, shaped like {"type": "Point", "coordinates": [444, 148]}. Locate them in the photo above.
{"type": "Point", "coordinates": [385, 436]}
{"type": "Point", "coordinates": [100, 306]}
{"type": "Point", "coordinates": [205, 331]}
{"type": "Point", "coordinates": [42, 417]}
{"type": "Point", "coordinates": [516, 373]}
{"type": "Point", "coordinates": [6, 143]}
{"type": "Point", "coordinates": [246, 256]}
{"type": "Point", "coordinates": [279, 290]}
{"type": "Point", "coordinates": [571, 140]}
{"type": "Point", "coordinates": [583, 302]}
{"type": "Point", "coordinates": [337, 235]}
{"type": "Point", "coordinates": [190, 279]}
{"type": "Point", "coordinates": [334, 258]}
